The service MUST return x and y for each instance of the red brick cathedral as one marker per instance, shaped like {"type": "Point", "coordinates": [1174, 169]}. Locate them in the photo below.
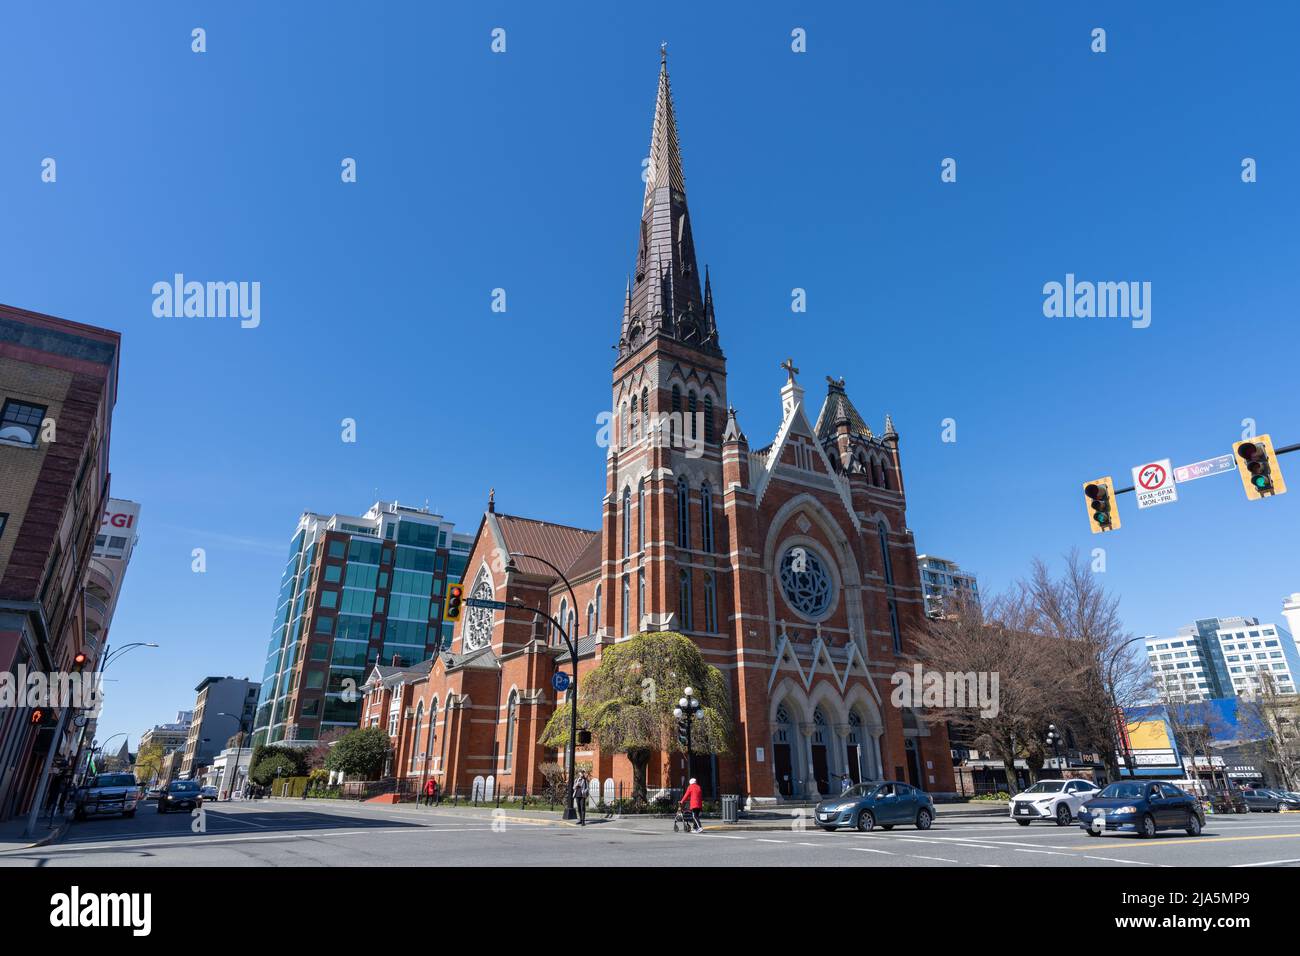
{"type": "Point", "coordinates": [791, 566]}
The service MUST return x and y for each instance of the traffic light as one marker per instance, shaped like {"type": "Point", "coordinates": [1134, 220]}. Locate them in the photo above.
{"type": "Point", "coordinates": [79, 661]}
{"type": "Point", "coordinates": [455, 602]}
{"type": "Point", "coordinates": [681, 733]}
{"type": "Point", "coordinates": [1258, 467]}
{"type": "Point", "coordinates": [43, 717]}
{"type": "Point", "coordinates": [1102, 513]}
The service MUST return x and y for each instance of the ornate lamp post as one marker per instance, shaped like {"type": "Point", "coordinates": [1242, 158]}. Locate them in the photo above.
{"type": "Point", "coordinates": [685, 711]}
{"type": "Point", "coordinates": [1054, 741]}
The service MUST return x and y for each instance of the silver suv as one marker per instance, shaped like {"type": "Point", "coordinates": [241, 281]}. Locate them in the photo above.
{"type": "Point", "coordinates": [107, 793]}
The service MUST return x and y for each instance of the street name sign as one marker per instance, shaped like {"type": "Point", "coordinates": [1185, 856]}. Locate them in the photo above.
{"type": "Point", "coordinates": [1203, 469]}
{"type": "Point", "coordinates": [1153, 483]}
{"type": "Point", "coordinates": [490, 605]}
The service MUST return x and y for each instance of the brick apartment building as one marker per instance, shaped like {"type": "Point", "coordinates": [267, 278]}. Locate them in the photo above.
{"type": "Point", "coordinates": [58, 386]}
{"type": "Point", "coordinates": [791, 566]}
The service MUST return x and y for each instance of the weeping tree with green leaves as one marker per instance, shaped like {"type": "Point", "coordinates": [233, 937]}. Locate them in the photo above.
{"type": "Point", "coordinates": [627, 703]}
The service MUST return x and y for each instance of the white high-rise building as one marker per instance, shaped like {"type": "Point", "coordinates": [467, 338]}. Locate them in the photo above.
{"type": "Point", "coordinates": [1251, 648]}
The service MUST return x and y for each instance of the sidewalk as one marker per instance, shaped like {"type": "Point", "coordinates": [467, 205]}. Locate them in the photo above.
{"type": "Point", "coordinates": [11, 832]}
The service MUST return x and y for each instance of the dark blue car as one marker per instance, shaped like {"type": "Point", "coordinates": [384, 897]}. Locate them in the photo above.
{"type": "Point", "coordinates": [1142, 807]}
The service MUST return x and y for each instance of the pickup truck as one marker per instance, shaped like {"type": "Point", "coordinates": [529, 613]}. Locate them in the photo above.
{"type": "Point", "coordinates": [107, 793]}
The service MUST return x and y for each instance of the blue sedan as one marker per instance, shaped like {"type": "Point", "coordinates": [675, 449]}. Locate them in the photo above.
{"type": "Point", "coordinates": [1142, 807]}
{"type": "Point", "coordinates": [868, 805]}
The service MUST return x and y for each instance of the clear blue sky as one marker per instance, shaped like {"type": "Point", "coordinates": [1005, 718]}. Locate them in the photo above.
{"type": "Point", "coordinates": [522, 171]}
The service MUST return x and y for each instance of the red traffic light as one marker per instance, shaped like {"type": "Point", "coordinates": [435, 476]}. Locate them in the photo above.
{"type": "Point", "coordinates": [79, 660]}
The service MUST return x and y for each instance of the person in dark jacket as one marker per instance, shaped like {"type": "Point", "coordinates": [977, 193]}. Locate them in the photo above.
{"type": "Point", "coordinates": [693, 800]}
{"type": "Point", "coordinates": [581, 791]}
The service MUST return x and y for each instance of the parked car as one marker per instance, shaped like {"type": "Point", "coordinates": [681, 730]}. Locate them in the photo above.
{"type": "Point", "coordinates": [181, 795]}
{"type": "Point", "coordinates": [868, 805]}
{"type": "Point", "coordinates": [1227, 801]}
{"type": "Point", "coordinates": [1057, 800]}
{"type": "Point", "coordinates": [209, 793]}
{"type": "Point", "coordinates": [107, 793]}
{"type": "Point", "coordinates": [1142, 807]}
{"type": "Point", "coordinates": [154, 794]}
{"type": "Point", "coordinates": [1263, 800]}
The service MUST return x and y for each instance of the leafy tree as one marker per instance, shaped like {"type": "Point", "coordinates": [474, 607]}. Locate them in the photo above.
{"type": "Point", "coordinates": [317, 754]}
{"type": "Point", "coordinates": [264, 773]}
{"type": "Point", "coordinates": [267, 758]}
{"type": "Point", "coordinates": [627, 702]}
{"type": "Point", "coordinates": [148, 762]}
{"type": "Point", "coordinates": [360, 753]}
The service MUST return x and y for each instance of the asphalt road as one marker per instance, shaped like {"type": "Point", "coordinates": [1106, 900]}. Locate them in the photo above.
{"type": "Point", "coordinates": [319, 833]}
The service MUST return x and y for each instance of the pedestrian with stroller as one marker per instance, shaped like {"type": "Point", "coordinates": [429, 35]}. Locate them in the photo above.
{"type": "Point", "coordinates": [581, 790]}
{"type": "Point", "coordinates": [693, 800]}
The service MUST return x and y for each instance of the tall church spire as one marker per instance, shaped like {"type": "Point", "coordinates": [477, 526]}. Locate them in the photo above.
{"type": "Point", "coordinates": [666, 296]}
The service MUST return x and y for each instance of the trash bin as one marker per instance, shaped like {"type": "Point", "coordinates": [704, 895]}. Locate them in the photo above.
{"type": "Point", "coordinates": [730, 808]}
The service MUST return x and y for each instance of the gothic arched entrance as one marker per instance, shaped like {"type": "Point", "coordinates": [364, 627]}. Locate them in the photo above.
{"type": "Point", "coordinates": [782, 752]}
{"type": "Point", "coordinates": [821, 772]}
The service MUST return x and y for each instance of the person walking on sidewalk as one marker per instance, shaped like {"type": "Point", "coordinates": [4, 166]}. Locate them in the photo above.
{"type": "Point", "coordinates": [430, 790]}
{"type": "Point", "coordinates": [693, 800]}
{"type": "Point", "coordinates": [581, 790]}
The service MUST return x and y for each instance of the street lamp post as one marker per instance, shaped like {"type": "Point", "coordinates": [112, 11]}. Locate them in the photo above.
{"type": "Point", "coordinates": [56, 743]}
{"type": "Point", "coordinates": [571, 642]}
{"type": "Point", "coordinates": [1114, 704]}
{"type": "Point", "coordinates": [686, 709]}
{"type": "Point", "coordinates": [1054, 741]}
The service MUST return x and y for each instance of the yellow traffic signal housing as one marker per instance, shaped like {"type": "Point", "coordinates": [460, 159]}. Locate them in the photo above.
{"type": "Point", "coordinates": [455, 602]}
{"type": "Point", "coordinates": [1102, 513]}
{"type": "Point", "coordinates": [1258, 467]}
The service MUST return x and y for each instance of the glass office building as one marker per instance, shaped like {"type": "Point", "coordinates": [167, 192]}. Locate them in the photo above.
{"type": "Point", "coordinates": [355, 590]}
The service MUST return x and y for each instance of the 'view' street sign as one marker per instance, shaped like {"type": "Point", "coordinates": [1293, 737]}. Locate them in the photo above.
{"type": "Point", "coordinates": [1203, 469]}
{"type": "Point", "coordinates": [490, 605]}
{"type": "Point", "coordinates": [1153, 483]}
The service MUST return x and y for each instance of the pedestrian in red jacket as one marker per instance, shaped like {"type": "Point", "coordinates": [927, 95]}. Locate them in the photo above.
{"type": "Point", "coordinates": [430, 791]}
{"type": "Point", "coordinates": [693, 799]}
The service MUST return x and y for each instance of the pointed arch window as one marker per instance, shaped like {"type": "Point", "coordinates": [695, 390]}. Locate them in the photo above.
{"type": "Point", "coordinates": [429, 747]}
{"type": "Point", "coordinates": [564, 622]}
{"type": "Point", "coordinates": [591, 619]}
{"type": "Point", "coordinates": [627, 521]}
{"type": "Point", "coordinates": [708, 419]}
{"type": "Point", "coordinates": [683, 513]}
{"type": "Point", "coordinates": [640, 596]}
{"type": "Point", "coordinates": [884, 476]}
{"type": "Point", "coordinates": [675, 418]}
{"type": "Point", "coordinates": [640, 515]}
{"type": "Point", "coordinates": [684, 599]}
{"type": "Point", "coordinates": [512, 720]}
{"type": "Point", "coordinates": [690, 410]}
{"type": "Point", "coordinates": [597, 608]}
{"type": "Point", "coordinates": [645, 410]}
{"type": "Point", "coordinates": [627, 589]}
{"type": "Point", "coordinates": [636, 426]}
{"type": "Point", "coordinates": [884, 553]}
{"type": "Point", "coordinates": [711, 602]}
{"type": "Point", "coordinates": [415, 743]}
{"type": "Point", "coordinates": [706, 517]}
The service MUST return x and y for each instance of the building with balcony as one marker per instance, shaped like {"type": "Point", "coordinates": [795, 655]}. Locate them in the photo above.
{"type": "Point", "coordinates": [58, 386]}
{"type": "Point", "coordinates": [356, 590]}
{"type": "Point", "coordinates": [944, 580]}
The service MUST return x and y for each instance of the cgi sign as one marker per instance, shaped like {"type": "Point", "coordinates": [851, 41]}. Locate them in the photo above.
{"type": "Point", "coordinates": [120, 514]}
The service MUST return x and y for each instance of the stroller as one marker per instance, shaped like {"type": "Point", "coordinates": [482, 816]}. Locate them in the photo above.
{"type": "Point", "coordinates": [683, 822]}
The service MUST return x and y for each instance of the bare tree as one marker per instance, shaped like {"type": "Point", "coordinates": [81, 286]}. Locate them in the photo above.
{"type": "Point", "coordinates": [1078, 611]}
{"type": "Point", "coordinates": [1273, 715]}
{"type": "Point", "coordinates": [998, 640]}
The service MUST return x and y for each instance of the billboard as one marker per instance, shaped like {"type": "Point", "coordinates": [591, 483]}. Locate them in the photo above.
{"type": "Point", "coordinates": [1148, 738]}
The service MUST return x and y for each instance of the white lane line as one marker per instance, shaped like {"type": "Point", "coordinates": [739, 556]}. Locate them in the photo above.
{"type": "Point", "coordinates": [1111, 859]}
{"type": "Point", "coordinates": [762, 840]}
{"type": "Point", "coordinates": [939, 859]}
{"type": "Point", "coordinates": [1236, 866]}
{"type": "Point", "coordinates": [867, 849]}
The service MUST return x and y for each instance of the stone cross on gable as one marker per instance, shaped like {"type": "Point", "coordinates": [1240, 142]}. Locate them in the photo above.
{"type": "Point", "coordinates": [790, 370]}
